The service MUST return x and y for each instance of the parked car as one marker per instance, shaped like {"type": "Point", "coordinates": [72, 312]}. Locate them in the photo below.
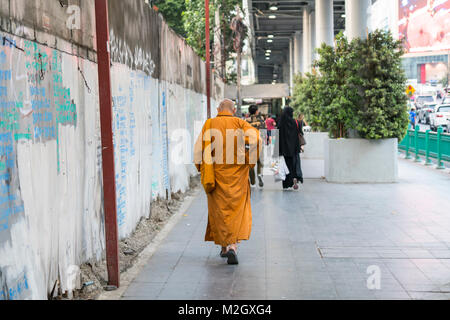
{"type": "Point", "coordinates": [422, 99]}
{"type": "Point", "coordinates": [440, 117]}
{"type": "Point", "coordinates": [424, 113]}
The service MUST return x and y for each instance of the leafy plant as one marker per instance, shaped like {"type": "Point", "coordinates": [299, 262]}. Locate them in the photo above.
{"type": "Point", "coordinates": [305, 100]}
{"type": "Point", "coordinates": [172, 10]}
{"type": "Point", "coordinates": [359, 87]}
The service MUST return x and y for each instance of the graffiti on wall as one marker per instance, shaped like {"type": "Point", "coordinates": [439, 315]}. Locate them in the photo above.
{"type": "Point", "coordinates": [34, 104]}
{"type": "Point", "coordinates": [133, 144]}
{"type": "Point", "coordinates": [135, 58]}
{"type": "Point", "coordinates": [18, 289]}
{"type": "Point", "coordinates": [31, 112]}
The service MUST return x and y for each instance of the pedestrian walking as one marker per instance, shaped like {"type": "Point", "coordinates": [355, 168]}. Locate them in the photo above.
{"type": "Point", "coordinates": [412, 117]}
{"type": "Point", "coordinates": [257, 121]}
{"type": "Point", "coordinates": [271, 126]}
{"type": "Point", "coordinates": [226, 179]}
{"type": "Point", "coordinates": [289, 146]}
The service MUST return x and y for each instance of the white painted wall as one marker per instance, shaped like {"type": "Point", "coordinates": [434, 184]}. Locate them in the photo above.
{"type": "Point", "coordinates": [51, 216]}
{"type": "Point", "coordinates": [54, 176]}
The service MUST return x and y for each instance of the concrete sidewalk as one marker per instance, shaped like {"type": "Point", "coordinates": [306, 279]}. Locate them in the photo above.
{"type": "Point", "coordinates": [316, 244]}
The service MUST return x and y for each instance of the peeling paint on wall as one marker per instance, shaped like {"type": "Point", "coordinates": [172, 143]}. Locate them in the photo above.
{"type": "Point", "coordinates": [52, 218]}
{"type": "Point", "coordinates": [132, 92]}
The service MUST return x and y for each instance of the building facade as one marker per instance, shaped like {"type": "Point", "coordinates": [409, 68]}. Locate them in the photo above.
{"type": "Point", "coordinates": [424, 26]}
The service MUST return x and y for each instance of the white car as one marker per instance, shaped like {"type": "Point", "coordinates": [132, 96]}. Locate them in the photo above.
{"type": "Point", "coordinates": [425, 112]}
{"type": "Point", "coordinates": [440, 117]}
{"type": "Point", "coordinates": [422, 99]}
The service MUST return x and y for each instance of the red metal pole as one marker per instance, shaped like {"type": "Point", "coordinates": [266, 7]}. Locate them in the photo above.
{"type": "Point", "coordinates": [106, 120]}
{"type": "Point", "coordinates": [208, 59]}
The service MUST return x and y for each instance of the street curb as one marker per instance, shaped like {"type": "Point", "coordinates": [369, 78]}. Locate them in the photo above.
{"type": "Point", "coordinates": [127, 277]}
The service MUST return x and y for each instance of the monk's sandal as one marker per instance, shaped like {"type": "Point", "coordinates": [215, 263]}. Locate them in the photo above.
{"type": "Point", "coordinates": [232, 257]}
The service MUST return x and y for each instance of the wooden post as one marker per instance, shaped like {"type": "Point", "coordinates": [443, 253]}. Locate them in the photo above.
{"type": "Point", "coordinates": [208, 60]}
{"type": "Point", "coordinates": [106, 120]}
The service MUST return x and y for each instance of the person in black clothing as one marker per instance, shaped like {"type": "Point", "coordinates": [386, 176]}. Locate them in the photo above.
{"type": "Point", "coordinates": [290, 148]}
{"type": "Point", "coordinates": [302, 124]}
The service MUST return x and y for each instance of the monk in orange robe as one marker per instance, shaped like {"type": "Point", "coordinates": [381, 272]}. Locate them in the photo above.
{"type": "Point", "coordinates": [224, 153]}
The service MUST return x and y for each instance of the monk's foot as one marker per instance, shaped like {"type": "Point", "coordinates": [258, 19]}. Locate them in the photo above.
{"type": "Point", "coordinates": [223, 252]}
{"type": "Point", "coordinates": [232, 257]}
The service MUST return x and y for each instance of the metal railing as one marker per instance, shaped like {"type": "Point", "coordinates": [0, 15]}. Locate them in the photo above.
{"type": "Point", "coordinates": [431, 145]}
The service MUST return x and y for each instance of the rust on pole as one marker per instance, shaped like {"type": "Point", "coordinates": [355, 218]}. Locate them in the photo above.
{"type": "Point", "coordinates": [208, 59]}
{"type": "Point", "coordinates": [106, 120]}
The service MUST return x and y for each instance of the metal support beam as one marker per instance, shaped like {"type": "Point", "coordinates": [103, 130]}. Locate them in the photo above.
{"type": "Point", "coordinates": [106, 121]}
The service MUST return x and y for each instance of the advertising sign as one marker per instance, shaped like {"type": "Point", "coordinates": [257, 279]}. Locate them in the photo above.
{"type": "Point", "coordinates": [424, 25]}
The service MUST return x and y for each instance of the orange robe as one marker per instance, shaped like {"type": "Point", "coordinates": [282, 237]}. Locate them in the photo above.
{"type": "Point", "coordinates": [229, 207]}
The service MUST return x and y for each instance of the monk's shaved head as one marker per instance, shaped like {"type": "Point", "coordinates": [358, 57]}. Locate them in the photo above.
{"type": "Point", "coordinates": [226, 105]}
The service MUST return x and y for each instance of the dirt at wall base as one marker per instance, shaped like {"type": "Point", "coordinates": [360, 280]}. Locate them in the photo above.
{"type": "Point", "coordinates": [93, 277]}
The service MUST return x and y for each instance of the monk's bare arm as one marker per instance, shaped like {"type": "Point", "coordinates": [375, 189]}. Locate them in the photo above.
{"type": "Point", "coordinates": [198, 150]}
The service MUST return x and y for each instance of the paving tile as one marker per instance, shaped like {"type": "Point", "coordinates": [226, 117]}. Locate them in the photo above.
{"type": "Point", "coordinates": [352, 294]}
{"type": "Point", "coordinates": [416, 295]}
{"type": "Point", "coordinates": [144, 290]}
{"type": "Point", "coordinates": [213, 291]}
{"type": "Point", "coordinates": [392, 295]}
{"type": "Point", "coordinates": [178, 291]}
{"type": "Point", "coordinates": [420, 286]}
{"type": "Point", "coordinates": [418, 253]}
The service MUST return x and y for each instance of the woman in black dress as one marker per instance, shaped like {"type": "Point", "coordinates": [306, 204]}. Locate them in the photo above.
{"type": "Point", "coordinates": [290, 148]}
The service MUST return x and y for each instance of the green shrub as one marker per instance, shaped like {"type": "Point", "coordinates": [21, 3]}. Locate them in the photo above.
{"type": "Point", "coordinates": [360, 86]}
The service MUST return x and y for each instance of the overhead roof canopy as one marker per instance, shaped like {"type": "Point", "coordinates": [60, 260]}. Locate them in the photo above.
{"type": "Point", "coordinates": [289, 19]}
{"type": "Point", "coordinates": [258, 91]}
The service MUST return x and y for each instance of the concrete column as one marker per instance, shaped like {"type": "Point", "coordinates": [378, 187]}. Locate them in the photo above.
{"type": "Point", "coordinates": [312, 28]}
{"type": "Point", "coordinates": [356, 18]}
{"type": "Point", "coordinates": [291, 63]}
{"type": "Point", "coordinates": [324, 22]}
{"type": "Point", "coordinates": [286, 73]}
{"type": "Point", "coordinates": [298, 51]}
{"type": "Point", "coordinates": [306, 41]}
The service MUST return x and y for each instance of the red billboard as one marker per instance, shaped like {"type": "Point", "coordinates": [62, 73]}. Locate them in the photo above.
{"type": "Point", "coordinates": [424, 25]}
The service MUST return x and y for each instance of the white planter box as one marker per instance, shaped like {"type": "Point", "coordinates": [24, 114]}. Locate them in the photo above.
{"type": "Point", "coordinates": [314, 155]}
{"type": "Point", "coordinates": [315, 145]}
{"type": "Point", "coordinates": [361, 161]}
